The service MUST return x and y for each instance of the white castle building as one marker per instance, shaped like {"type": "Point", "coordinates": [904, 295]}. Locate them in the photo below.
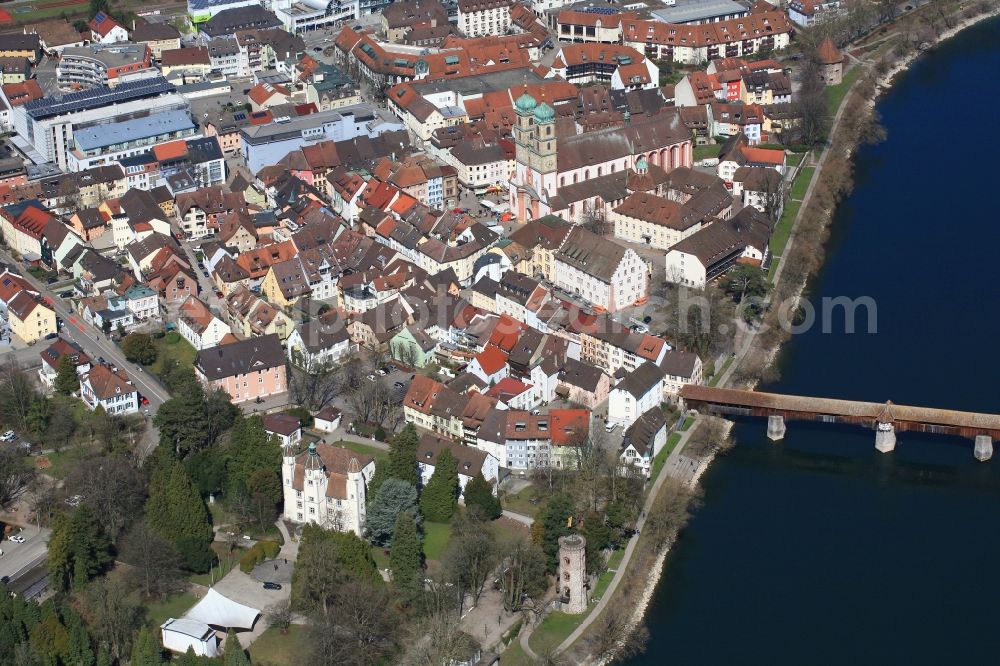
{"type": "Point", "coordinates": [327, 485]}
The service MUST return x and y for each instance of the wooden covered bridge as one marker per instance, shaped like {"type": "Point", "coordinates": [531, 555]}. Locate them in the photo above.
{"type": "Point", "coordinates": [884, 418]}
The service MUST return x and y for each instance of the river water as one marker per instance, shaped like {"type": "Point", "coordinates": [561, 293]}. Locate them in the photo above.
{"type": "Point", "coordinates": [819, 550]}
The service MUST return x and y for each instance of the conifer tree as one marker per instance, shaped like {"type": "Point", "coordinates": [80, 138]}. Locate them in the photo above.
{"type": "Point", "coordinates": [177, 511]}
{"type": "Point", "coordinates": [235, 656]}
{"type": "Point", "coordinates": [67, 381]}
{"type": "Point", "coordinates": [478, 493]}
{"type": "Point", "coordinates": [403, 455]}
{"type": "Point", "coordinates": [406, 556]}
{"type": "Point", "coordinates": [437, 501]}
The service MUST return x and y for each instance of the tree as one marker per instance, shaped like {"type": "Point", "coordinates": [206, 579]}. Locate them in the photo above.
{"type": "Point", "coordinates": [17, 395]}
{"type": "Point", "coordinates": [437, 501]}
{"type": "Point", "coordinates": [234, 654]}
{"type": "Point", "coordinates": [403, 455]}
{"type": "Point", "coordinates": [265, 494]}
{"type": "Point", "coordinates": [359, 629]}
{"type": "Point", "coordinates": [113, 615]}
{"type": "Point", "coordinates": [176, 510]}
{"type": "Point", "coordinates": [470, 558]}
{"type": "Point", "coordinates": [479, 494]}
{"type": "Point", "coordinates": [113, 488]}
{"type": "Point", "coordinates": [279, 615]}
{"type": "Point", "coordinates": [813, 107]}
{"type": "Point", "coordinates": [15, 474]}
{"type": "Point", "coordinates": [374, 402]}
{"type": "Point", "coordinates": [78, 550]}
{"type": "Point", "coordinates": [182, 421]}
{"type": "Point", "coordinates": [553, 520]}
{"type": "Point", "coordinates": [407, 556]}
{"type": "Point", "coordinates": [220, 414]}
{"type": "Point", "coordinates": [98, 6]}
{"type": "Point", "coordinates": [250, 448]}
{"type": "Point", "coordinates": [523, 577]}
{"type": "Point", "coordinates": [393, 498]}
{"type": "Point", "coordinates": [154, 560]}
{"type": "Point", "coordinates": [326, 560]}
{"type": "Point", "coordinates": [139, 348]}
{"type": "Point", "coordinates": [146, 650]}
{"type": "Point", "coordinates": [67, 382]}
{"type": "Point", "coordinates": [745, 280]}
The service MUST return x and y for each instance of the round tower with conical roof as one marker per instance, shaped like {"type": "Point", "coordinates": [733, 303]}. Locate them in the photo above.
{"type": "Point", "coordinates": [573, 588]}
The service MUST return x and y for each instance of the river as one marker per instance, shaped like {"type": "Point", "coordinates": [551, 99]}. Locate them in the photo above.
{"type": "Point", "coordinates": [819, 550]}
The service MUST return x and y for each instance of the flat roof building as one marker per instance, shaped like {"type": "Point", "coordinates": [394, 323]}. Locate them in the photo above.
{"type": "Point", "coordinates": [110, 142]}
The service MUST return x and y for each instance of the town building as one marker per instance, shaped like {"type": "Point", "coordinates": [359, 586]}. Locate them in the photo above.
{"type": "Point", "coordinates": [104, 65]}
{"type": "Point", "coordinates": [643, 440]}
{"type": "Point", "coordinates": [469, 461]}
{"type": "Point", "coordinates": [638, 392]}
{"type": "Point", "coordinates": [600, 272]}
{"type": "Point", "coordinates": [246, 369]}
{"type": "Point", "coordinates": [109, 389]}
{"type": "Point", "coordinates": [199, 326]}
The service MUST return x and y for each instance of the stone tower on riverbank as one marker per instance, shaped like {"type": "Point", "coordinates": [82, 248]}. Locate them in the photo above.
{"type": "Point", "coordinates": [573, 573]}
{"type": "Point", "coordinates": [831, 61]}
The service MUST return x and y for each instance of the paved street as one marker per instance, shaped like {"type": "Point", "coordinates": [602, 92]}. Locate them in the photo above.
{"type": "Point", "coordinates": [19, 558]}
{"type": "Point", "coordinates": [97, 346]}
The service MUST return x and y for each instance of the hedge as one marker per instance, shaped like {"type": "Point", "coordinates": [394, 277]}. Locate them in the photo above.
{"type": "Point", "coordinates": [270, 548]}
{"type": "Point", "coordinates": [262, 550]}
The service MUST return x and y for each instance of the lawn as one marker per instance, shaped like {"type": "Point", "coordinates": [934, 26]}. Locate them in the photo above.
{"type": "Point", "coordinates": [180, 349]}
{"type": "Point", "coordinates": [553, 630]}
{"type": "Point", "coordinates": [60, 462]}
{"type": "Point", "coordinates": [711, 150]}
{"type": "Point", "coordinates": [794, 159]}
{"type": "Point", "coordinates": [661, 457]}
{"type": "Point", "coordinates": [158, 612]}
{"type": "Point", "coordinates": [436, 537]}
{"type": "Point", "coordinates": [225, 564]}
{"type": "Point", "coordinates": [380, 557]}
{"type": "Point", "coordinates": [835, 94]}
{"type": "Point", "coordinates": [718, 375]}
{"type": "Point", "coordinates": [687, 423]}
{"type": "Point", "coordinates": [801, 183]}
{"type": "Point", "coordinates": [781, 233]}
{"type": "Point", "coordinates": [520, 502]}
{"type": "Point", "coordinates": [514, 656]}
{"type": "Point", "coordinates": [279, 649]}
{"type": "Point", "coordinates": [357, 447]}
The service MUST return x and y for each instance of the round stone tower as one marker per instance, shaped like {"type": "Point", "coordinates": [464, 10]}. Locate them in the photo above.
{"type": "Point", "coordinates": [573, 573]}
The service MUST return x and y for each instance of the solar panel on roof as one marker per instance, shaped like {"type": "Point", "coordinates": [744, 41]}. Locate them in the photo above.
{"type": "Point", "coordinates": [47, 107]}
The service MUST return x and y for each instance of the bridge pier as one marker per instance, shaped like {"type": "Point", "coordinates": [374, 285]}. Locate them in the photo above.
{"type": "Point", "coordinates": [775, 427]}
{"type": "Point", "coordinates": [885, 437]}
{"type": "Point", "coordinates": [984, 448]}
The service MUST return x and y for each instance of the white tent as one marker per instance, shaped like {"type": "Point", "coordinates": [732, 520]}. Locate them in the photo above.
{"type": "Point", "coordinates": [179, 635]}
{"type": "Point", "coordinates": [220, 611]}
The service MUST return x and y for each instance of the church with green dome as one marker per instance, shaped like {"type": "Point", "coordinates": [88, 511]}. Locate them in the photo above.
{"type": "Point", "coordinates": [560, 170]}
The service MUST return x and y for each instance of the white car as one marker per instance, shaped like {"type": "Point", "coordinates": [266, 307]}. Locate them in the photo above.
{"type": "Point", "coordinates": [371, 378]}
{"type": "Point", "coordinates": [16, 538]}
{"type": "Point", "coordinates": [610, 427]}
{"type": "Point", "coordinates": [8, 436]}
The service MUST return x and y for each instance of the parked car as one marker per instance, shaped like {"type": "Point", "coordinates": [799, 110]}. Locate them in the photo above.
{"type": "Point", "coordinates": [272, 586]}
{"type": "Point", "coordinates": [143, 400]}
{"type": "Point", "coordinates": [640, 328]}
{"type": "Point", "coordinates": [371, 378]}
{"type": "Point", "coordinates": [610, 427]}
{"type": "Point", "coordinates": [16, 538]}
{"type": "Point", "coordinates": [399, 385]}
{"type": "Point", "coordinates": [383, 372]}
{"type": "Point", "coordinates": [8, 436]}
{"type": "Point", "coordinates": [205, 273]}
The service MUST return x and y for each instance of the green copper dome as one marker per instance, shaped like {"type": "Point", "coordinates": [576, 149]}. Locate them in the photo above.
{"type": "Point", "coordinates": [525, 103]}
{"type": "Point", "coordinates": [641, 165]}
{"type": "Point", "coordinates": [544, 113]}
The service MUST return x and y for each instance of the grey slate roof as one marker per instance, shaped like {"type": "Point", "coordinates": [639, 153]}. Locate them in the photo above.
{"type": "Point", "coordinates": [241, 357]}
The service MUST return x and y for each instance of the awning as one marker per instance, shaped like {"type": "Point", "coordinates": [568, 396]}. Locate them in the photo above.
{"type": "Point", "coordinates": [220, 611]}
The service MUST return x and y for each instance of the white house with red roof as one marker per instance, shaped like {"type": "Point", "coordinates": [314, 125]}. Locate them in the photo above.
{"type": "Point", "coordinates": [286, 428]}
{"type": "Point", "coordinates": [490, 365]}
{"type": "Point", "coordinates": [52, 356]}
{"type": "Point", "coordinates": [513, 393]}
{"type": "Point", "coordinates": [106, 30]}
{"type": "Point", "coordinates": [103, 387]}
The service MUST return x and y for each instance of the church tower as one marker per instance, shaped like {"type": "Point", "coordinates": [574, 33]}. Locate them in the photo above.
{"type": "Point", "coordinates": [525, 109]}
{"type": "Point", "coordinates": [544, 140]}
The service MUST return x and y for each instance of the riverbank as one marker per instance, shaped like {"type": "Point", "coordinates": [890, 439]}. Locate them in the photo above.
{"type": "Point", "coordinates": [797, 288]}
